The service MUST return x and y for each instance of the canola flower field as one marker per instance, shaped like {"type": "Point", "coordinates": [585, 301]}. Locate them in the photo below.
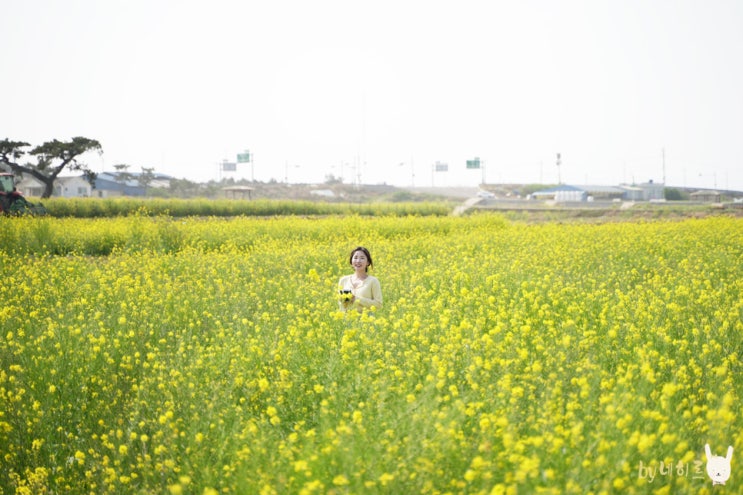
{"type": "Point", "coordinates": [207, 356]}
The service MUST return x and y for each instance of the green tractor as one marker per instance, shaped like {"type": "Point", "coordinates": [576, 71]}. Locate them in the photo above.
{"type": "Point", "coordinates": [12, 202]}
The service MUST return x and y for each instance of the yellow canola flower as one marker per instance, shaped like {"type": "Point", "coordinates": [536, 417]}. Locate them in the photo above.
{"type": "Point", "coordinates": [340, 480]}
{"type": "Point", "coordinates": [572, 338]}
{"type": "Point", "coordinates": [263, 384]}
{"type": "Point", "coordinates": [386, 478]}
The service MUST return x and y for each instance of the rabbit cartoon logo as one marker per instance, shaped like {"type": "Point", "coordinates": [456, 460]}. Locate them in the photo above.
{"type": "Point", "coordinates": [718, 467]}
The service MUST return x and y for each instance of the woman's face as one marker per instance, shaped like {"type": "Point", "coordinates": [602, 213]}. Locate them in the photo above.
{"type": "Point", "coordinates": [359, 261]}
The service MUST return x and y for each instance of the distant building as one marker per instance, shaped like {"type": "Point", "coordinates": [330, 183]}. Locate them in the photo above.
{"type": "Point", "coordinates": [28, 186]}
{"type": "Point", "coordinates": [72, 187]}
{"type": "Point", "coordinates": [238, 192]}
{"type": "Point", "coordinates": [107, 184]}
{"type": "Point", "coordinates": [112, 184]}
{"type": "Point", "coordinates": [326, 193]}
{"type": "Point", "coordinates": [652, 190]}
{"type": "Point", "coordinates": [632, 193]}
{"type": "Point", "coordinates": [604, 193]}
{"type": "Point", "coordinates": [706, 196]}
{"type": "Point", "coordinates": [64, 187]}
{"type": "Point", "coordinates": [649, 191]}
{"type": "Point", "coordinates": [562, 193]}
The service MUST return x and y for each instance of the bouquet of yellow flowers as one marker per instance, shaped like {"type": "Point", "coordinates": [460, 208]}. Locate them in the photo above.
{"type": "Point", "coordinates": [345, 295]}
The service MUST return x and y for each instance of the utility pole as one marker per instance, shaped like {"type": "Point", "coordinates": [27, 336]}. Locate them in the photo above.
{"type": "Point", "coordinates": [559, 179]}
{"type": "Point", "coordinates": [412, 173]}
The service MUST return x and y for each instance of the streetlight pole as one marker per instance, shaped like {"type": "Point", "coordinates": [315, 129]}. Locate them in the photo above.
{"type": "Point", "coordinates": [412, 173]}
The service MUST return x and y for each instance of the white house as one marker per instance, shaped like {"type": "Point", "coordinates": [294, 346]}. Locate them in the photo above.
{"type": "Point", "coordinates": [64, 187]}
{"type": "Point", "coordinates": [72, 187]}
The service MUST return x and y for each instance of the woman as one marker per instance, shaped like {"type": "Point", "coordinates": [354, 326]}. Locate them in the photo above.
{"type": "Point", "coordinates": [360, 290]}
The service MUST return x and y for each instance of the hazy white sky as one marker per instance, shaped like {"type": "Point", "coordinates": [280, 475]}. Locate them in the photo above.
{"type": "Point", "coordinates": [317, 88]}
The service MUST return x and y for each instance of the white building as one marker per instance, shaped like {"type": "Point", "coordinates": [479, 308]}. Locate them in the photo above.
{"type": "Point", "coordinates": [64, 187]}
{"type": "Point", "coordinates": [107, 184]}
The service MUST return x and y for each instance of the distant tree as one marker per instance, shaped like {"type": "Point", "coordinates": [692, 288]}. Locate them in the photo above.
{"type": "Point", "coordinates": [184, 188]}
{"type": "Point", "coordinates": [331, 179]}
{"type": "Point", "coordinates": [146, 178]}
{"type": "Point", "coordinates": [122, 173]}
{"type": "Point", "coordinates": [672, 194]}
{"type": "Point", "coordinates": [51, 158]}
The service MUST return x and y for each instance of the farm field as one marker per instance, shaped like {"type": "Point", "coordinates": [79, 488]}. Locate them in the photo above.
{"type": "Point", "coordinates": [207, 356]}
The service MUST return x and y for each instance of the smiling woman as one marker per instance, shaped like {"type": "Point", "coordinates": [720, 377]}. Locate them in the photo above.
{"type": "Point", "coordinates": [360, 290]}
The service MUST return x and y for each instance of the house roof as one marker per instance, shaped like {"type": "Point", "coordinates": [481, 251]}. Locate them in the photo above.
{"type": "Point", "coordinates": [556, 189]}
{"type": "Point", "coordinates": [706, 192]}
{"type": "Point", "coordinates": [603, 189]}
{"type": "Point", "coordinates": [238, 188]}
{"type": "Point", "coordinates": [133, 180]}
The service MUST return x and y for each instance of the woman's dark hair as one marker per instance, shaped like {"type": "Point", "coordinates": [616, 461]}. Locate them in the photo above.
{"type": "Point", "coordinates": [366, 253]}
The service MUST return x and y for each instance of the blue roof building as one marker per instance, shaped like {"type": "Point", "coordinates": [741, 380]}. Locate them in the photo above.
{"type": "Point", "coordinates": [125, 184]}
